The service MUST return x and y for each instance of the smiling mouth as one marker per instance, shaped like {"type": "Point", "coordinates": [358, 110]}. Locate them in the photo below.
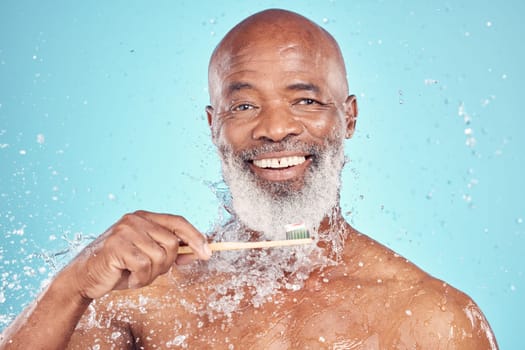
{"type": "Point", "coordinates": [279, 163]}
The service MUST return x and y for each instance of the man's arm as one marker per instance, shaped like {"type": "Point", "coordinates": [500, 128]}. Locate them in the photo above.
{"type": "Point", "coordinates": [131, 254]}
{"type": "Point", "coordinates": [49, 321]}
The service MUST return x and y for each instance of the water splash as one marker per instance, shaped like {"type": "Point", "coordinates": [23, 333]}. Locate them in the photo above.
{"type": "Point", "coordinates": [253, 277]}
{"type": "Point", "coordinates": [25, 275]}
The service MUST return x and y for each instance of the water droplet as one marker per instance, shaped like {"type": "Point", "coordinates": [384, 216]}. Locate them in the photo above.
{"type": "Point", "coordinates": [115, 335]}
{"type": "Point", "coordinates": [430, 81]}
{"type": "Point", "coordinates": [489, 24]}
{"type": "Point", "coordinates": [408, 312]}
{"type": "Point", "coordinates": [40, 138]}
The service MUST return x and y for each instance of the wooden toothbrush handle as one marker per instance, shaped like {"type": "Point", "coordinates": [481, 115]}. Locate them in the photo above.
{"type": "Point", "coordinates": [217, 246]}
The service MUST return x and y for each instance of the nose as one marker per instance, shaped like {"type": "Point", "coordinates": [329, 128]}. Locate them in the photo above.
{"type": "Point", "coordinates": [275, 124]}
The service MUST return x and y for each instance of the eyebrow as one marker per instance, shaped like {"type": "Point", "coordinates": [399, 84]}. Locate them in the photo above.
{"type": "Point", "coordinates": [303, 87]}
{"type": "Point", "coordinates": [237, 86]}
{"type": "Point", "coordinates": [241, 85]}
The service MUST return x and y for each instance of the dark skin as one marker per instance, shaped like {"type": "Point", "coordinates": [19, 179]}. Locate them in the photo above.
{"type": "Point", "coordinates": [276, 75]}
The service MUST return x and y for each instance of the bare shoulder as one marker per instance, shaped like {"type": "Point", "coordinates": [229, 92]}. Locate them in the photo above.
{"type": "Point", "coordinates": [428, 313]}
{"type": "Point", "coordinates": [440, 314]}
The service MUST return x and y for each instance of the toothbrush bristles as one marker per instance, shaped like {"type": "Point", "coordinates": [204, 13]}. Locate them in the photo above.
{"type": "Point", "coordinates": [296, 231]}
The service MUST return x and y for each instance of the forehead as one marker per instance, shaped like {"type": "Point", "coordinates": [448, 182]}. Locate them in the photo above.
{"type": "Point", "coordinates": [277, 48]}
{"type": "Point", "coordinates": [267, 62]}
{"type": "Point", "coordinates": [289, 51]}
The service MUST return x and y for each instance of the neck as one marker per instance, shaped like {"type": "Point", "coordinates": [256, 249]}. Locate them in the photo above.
{"type": "Point", "coordinates": [333, 232]}
{"type": "Point", "coordinates": [331, 222]}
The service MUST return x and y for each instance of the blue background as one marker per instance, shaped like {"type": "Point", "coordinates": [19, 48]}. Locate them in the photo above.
{"type": "Point", "coordinates": [102, 113]}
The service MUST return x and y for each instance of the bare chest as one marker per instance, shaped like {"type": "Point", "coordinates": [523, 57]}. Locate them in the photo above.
{"type": "Point", "coordinates": [335, 314]}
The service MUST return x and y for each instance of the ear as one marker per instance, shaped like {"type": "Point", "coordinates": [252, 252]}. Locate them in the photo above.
{"type": "Point", "coordinates": [209, 113]}
{"type": "Point", "coordinates": [350, 107]}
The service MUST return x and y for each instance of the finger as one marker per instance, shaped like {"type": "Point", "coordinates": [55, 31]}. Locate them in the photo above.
{"type": "Point", "coordinates": [158, 243]}
{"type": "Point", "coordinates": [134, 263]}
{"type": "Point", "coordinates": [180, 227]}
{"type": "Point", "coordinates": [185, 259]}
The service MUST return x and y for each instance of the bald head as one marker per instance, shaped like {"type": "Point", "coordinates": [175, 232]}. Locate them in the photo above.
{"type": "Point", "coordinates": [277, 31]}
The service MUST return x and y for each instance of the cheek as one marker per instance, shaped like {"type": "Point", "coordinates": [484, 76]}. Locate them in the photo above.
{"type": "Point", "coordinates": [319, 127]}
{"type": "Point", "coordinates": [233, 134]}
{"type": "Point", "coordinates": [324, 126]}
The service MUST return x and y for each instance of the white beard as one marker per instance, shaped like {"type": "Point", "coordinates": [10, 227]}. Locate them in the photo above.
{"type": "Point", "coordinates": [266, 207]}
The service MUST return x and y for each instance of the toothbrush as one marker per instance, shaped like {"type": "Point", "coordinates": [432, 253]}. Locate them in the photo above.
{"type": "Point", "coordinates": [296, 234]}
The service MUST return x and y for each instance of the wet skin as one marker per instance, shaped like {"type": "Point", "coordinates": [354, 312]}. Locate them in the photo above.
{"type": "Point", "coordinates": [373, 299]}
{"type": "Point", "coordinates": [276, 76]}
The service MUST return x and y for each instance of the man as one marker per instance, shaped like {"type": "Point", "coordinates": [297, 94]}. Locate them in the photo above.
{"type": "Point", "coordinates": [280, 111]}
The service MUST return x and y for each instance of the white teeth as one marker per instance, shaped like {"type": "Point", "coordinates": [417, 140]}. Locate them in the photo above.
{"type": "Point", "coordinates": [278, 163]}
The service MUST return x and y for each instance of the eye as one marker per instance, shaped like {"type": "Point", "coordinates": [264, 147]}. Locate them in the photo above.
{"type": "Point", "coordinates": [307, 101]}
{"type": "Point", "coordinates": [242, 107]}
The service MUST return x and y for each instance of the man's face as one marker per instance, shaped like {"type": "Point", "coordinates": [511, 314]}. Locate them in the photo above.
{"type": "Point", "coordinates": [280, 114]}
